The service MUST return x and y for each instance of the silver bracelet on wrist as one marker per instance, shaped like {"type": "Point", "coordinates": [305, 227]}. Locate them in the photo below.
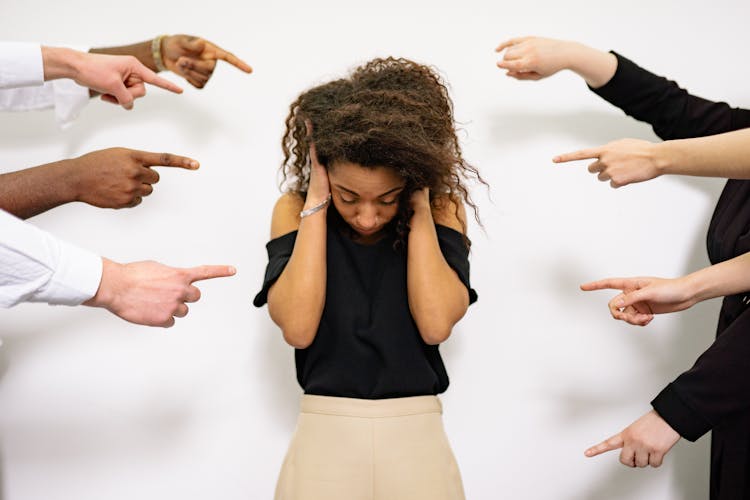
{"type": "Point", "coordinates": [317, 208]}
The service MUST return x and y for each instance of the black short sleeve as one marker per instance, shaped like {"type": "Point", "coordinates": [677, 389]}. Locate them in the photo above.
{"type": "Point", "coordinates": [456, 253]}
{"type": "Point", "coordinates": [279, 251]}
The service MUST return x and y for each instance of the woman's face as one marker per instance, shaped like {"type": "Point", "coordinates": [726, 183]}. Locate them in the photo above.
{"type": "Point", "coordinates": [366, 197]}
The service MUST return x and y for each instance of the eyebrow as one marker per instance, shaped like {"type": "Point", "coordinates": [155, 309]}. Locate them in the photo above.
{"type": "Point", "coordinates": [379, 196]}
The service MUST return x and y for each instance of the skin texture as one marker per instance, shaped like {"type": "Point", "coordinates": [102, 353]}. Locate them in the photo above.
{"type": "Point", "coordinates": [119, 79]}
{"type": "Point", "coordinates": [149, 293]}
{"type": "Point", "coordinates": [110, 178]}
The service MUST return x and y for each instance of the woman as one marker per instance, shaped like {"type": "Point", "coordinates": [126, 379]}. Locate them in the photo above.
{"type": "Point", "coordinates": [368, 273]}
{"type": "Point", "coordinates": [714, 395]}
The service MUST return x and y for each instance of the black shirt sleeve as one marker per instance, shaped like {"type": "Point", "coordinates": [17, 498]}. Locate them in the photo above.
{"type": "Point", "coordinates": [715, 388]}
{"type": "Point", "coordinates": [672, 111]}
{"type": "Point", "coordinates": [279, 251]}
{"type": "Point", "coordinates": [456, 254]}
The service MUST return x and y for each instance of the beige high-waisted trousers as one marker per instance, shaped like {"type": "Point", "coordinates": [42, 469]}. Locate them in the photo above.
{"type": "Point", "coordinates": [361, 449]}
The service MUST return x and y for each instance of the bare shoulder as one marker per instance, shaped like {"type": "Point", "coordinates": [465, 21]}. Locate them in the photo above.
{"type": "Point", "coordinates": [449, 211]}
{"type": "Point", "coordinates": [285, 217]}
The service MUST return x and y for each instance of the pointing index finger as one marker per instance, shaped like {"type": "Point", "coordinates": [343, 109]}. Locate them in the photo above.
{"type": "Point", "coordinates": [582, 154]}
{"type": "Point", "coordinates": [614, 443]}
{"type": "Point", "coordinates": [165, 160]}
{"type": "Point", "coordinates": [201, 273]}
{"type": "Point", "coordinates": [605, 284]}
{"type": "Point", "coordinates": [233, 60]}
{"type": "Point", "coordinates": [149, 76]}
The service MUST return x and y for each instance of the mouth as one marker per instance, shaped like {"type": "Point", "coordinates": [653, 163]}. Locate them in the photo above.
{"type": "Point", "coordinates": [366, 232]}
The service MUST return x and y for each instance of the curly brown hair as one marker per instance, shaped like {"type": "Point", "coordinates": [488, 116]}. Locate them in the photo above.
{"type": "Point", "coordinates": [389, 112]}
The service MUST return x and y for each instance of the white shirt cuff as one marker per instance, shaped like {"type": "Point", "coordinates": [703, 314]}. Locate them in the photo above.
{"type": "Point", "coordinates": [22, 65]}
{"type": "Point", "coordinates": [76, 279]}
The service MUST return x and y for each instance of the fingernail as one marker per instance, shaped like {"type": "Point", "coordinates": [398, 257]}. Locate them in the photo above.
{"type": "Point", "coordinates": [232, 270]}
{"type": "Point", "coordinates": [194, 164]}
{"type": "Point", "coordinates": [556, 159]}
{"type": "Point", "coordinates": [621, 302]}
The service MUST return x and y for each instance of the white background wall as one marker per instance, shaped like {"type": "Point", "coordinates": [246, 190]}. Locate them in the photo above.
{"type": "Point", "coordinates": [93, 408]}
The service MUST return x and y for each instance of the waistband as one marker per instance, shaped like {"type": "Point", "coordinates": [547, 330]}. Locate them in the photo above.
{"type": "Point", "coordinates": [370, 408]}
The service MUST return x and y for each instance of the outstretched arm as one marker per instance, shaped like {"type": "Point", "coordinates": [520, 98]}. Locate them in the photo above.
{"type": "Point", "coordinates": [111, 178]}
{"type": "Point", "coordinates": [627, 161]}
{"type": "Point", "coordinates": [121, 79]}
{"type": "Point", "coordinates": [641, 298]}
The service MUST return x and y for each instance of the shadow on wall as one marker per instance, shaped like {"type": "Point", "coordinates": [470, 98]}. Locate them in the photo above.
{"type": "Point", "coordinates": [282, 394]}
{"type": "Point", "coordinates": [513, 128]}
{"type": "Point", "coordinates": [167, 110]}
{"type": "Point", "coordinates": [694, 329]}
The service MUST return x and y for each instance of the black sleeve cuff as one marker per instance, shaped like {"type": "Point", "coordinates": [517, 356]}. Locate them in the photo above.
{"type": "Point", "coordinates": [679, 414]}
{"type": "Point", "coordinates": [456, 254]}
{"type": "Point", "coordinates": [279, 252]}
{"type": "Point", "coordinates": [615, 91]}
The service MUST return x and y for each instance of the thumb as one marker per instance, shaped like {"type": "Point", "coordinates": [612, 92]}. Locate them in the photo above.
{"type": "Point", "coordinates": [123, 96]}
{"type": "Point", "coordinates": [630, 298]}
{"type": "Point", "coordinates": [614, 443]}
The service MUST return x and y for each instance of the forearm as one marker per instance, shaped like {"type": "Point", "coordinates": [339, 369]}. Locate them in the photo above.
{"type": "Point", "coordinates": [140, 50]}
{"type": "Point", "coordinates": [29, 192]}
{"type": "Point", "coordinates": [437, 297]}
{"type": "Point", "coordinates": [296, 300]}
{"type": "Point", "coordinates": [726, 278]}
{"type": "Point", "coordinates": [725, 155]}
{"type": "Point", "coordinates": [594, 66]}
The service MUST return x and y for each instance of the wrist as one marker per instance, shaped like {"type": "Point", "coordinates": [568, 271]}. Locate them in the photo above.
{"type": "Point", "coordinates": [312, 206]}
{"type": "Point", "coordinates": [59, 62]}
{"type": "Point", "coordinates": [666, 157]}
{"type": "Point", "coordinates": [698, 286]}
{"type": "Point", "coordinates": [596, 67]}
{"type": "Point", "coordinates": [105, 294]}
{"type": "Point", "coordinates": [72, 181]}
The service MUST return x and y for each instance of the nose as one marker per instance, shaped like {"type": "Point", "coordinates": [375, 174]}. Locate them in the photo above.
{"type": "Point", "coordinates": [367, 218]}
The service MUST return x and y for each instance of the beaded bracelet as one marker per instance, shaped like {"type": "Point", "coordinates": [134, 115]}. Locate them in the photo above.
{"type": "Point", "coordinates": [156, 53]}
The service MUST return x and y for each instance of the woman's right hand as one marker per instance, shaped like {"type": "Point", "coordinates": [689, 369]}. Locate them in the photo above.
{"type": "Point", "coordinates": [319, 188]}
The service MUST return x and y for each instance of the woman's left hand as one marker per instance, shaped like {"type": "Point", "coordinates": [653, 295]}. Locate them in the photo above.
{"type": "Point", "coordinates": [194, 58]}
{"type": "Point", "coordinates": [420, 200]}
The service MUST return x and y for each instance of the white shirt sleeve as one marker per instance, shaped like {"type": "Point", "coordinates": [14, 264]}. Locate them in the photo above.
{"type": "Point", "coordinates": [37, 267]}
{"type": "Point", "coordinates": [21, 65]}
{"type": "Point", "coordinates": [22, 85]}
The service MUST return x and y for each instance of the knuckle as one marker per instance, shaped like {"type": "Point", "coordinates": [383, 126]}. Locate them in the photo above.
{"type": "Point", "coordinates": [165, 158]}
